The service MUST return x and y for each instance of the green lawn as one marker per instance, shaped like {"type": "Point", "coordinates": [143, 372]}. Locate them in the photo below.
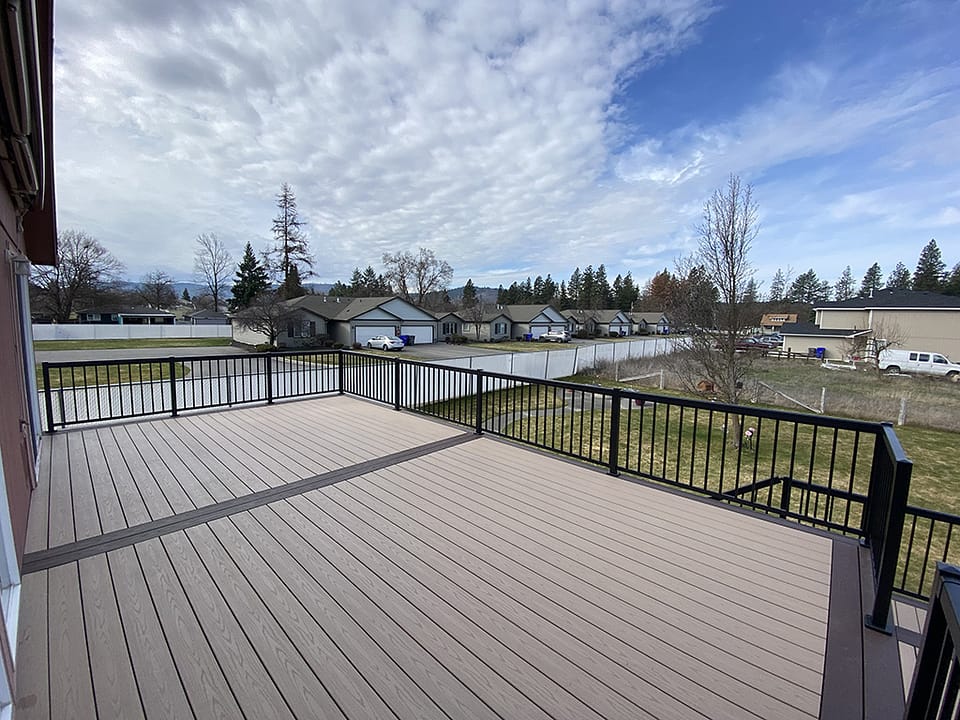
{"type": "Point", "coordinates": [512, 346]}
{"type": "Point", "coordinates": [109, 374]}
{"type": "Point", "coordinates": [53, 345]}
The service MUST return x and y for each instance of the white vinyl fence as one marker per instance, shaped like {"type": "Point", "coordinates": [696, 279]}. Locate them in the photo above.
{"type": "Point", "coordinates": [59, 331]}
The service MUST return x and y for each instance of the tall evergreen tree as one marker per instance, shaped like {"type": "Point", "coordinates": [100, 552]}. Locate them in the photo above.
{"type": "Point", "coordinates": [900, 278]}
{"type": "Point", "coordinates": [844, 287]}
{"type": "Point", "coordinates": [931, 270]}
{"type": "Point", "coordinates": [778, 286]}
{"type": "Point", "coordinates": [357, 288]}
{"type": "Point", "coordinates": [291, 252]}
{"type": "Point", "coordinates": [588, 289]}
{"type": "Point", "coordinates": [185, 296]}
{"type": "Point", "coordinates": [469, 297]}
{"type": "Point", "coordinates": [628, 294]}
{"type": "Point", "coordinates": [809, 289]}
{"type": "Point", "coordinates": [251, 280]}
{"type": "Point", "coordinates": [952, 286]}
{"type": "Point", "coordinates": [751, 293]}
{"type": "Point", "coordinates": [574, 288]}
{"type": "Point", "coordinates": [604, 295]}
{"type": "Point", "coordinates": [872, 281]}
{"type": "Point", "coordinates": [549, 289]}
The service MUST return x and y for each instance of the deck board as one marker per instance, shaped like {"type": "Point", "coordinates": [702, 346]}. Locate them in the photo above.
{"type": "Point", "coordinates": [476, 580]}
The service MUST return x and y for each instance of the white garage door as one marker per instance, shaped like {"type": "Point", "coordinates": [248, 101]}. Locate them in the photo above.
{"type": "Point", "coordinates": [423, 333]}
{"type": "Point", "coordinates": [364, 333]}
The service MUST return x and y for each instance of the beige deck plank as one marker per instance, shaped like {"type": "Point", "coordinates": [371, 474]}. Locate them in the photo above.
{"type": "Point", "coordinates": [115, 688]}
{"type": "Point", "coordinates": [60, 528]}
{"type": "Point", "coordinates": [71, 689]}
{"type": "Point", "coordinates": [299, 684]}
{"type": "Point", "coordinates": [171, 466]}
{"type": "Point", "coordinates": [131, 501]}
{"type": "Point", "coordinates": [252, 686]}
{"type": "Point", "coordinates": [242, 456]}
{"type": "Point", "coordinates": [159, 683]}
{"type": "Point", "coordinates": [484, 681]}
{"type": "Point", "coordinates": [908, 662]}
{"type": "Point", "coordinates": [210, 694]}
{"type": "Point", "coordinates": [690, 550]}
{"type": "Point", "coordinates": [603, 491]}
{"type": "Point", "coordinates": [666, 569]}
{"type": "Point", "coordinates": [107, 499]}
{"type": "Point", "coordinates": [33, 680]}
{"type": "Point", "coordinates": [394, 667]}
{"type": "Point", "coordinates": [118, 443]}
{"type": "Point", "coordinates": [86, 515]}
{"type": "Point", "coordinates": [651, 655]}
{"type": "Point", "coordinates": [220, 485]}
{"type": "Point", "coordinates": [550, 693]}
{"type": "Point", "coordinates": [149, 463]}
{"type": "Point", "coordinates": [39, 513]}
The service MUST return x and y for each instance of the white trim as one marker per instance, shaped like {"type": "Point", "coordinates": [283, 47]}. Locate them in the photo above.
{"type": "Point", "coordinates": [9, 588]}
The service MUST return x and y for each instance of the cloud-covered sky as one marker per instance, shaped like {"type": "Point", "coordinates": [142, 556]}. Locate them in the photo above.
{"type": "Point", "coordinates": [513, 138]}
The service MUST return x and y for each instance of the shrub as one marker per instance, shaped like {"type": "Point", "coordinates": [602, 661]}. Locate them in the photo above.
{"type": "Point", "coordinates": [338, 346]}
{"type": "Point", "coordinates": [357, 346]}
{"type": "Point", "coordinates": [458, 339]}
{"type": "Point", "coordinates": [264, 347]}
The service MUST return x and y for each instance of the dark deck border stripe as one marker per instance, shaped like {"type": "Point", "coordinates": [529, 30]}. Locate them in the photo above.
{"type": "Point", "coordinates": [88, 547]}
{"type": "Point", "coordinates": [841, 695]}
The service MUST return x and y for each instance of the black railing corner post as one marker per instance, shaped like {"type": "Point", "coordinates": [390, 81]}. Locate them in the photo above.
{"type": "Point", "coordinates": [172, 365]}
{"type": "Point", "coordinates": [478, 426]}
{"type": "Point", "coordinates": [268, 366]}
{"type": "Point", "coordinates": [614, 447]}
{"type": "Point", "coordinates": [48, 396]}
{"type": "Point", "coordinates": [396, 384]}
{"type": "Point", "coordinates": [786, 489]}
{"type": "Point", "coordinates": [341, 371]}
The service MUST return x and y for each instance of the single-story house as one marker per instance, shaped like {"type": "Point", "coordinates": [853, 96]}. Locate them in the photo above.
{"type": "Point", "coordinates": [346, 321]}
{"type": "Point", "coordinates": [653, 323]}
{"type": "Point", "coordinates": [613, 322]}
{"type": "Point", "coordinates": [129, 316]}
{"type": "Point", "coordinates": [804, 338]}
{"type": "Point", "coordinates": [580, 321]}
{"type": "Point", "coordinates": [534, 320]}
{"type": "Point", "coordinates": [208, 317]}
{"type": "Point", "coordinates": [451, 323]}
{"type": "Point", "coordinates": [494, 325]}
{"type": "Point", "coordinates": [914, 320]}
{"type": "Point", "coordinates": [772, 322]}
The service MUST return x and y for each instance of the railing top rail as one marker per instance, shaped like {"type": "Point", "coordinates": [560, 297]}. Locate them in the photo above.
{"type": "Point", "coordinates": [892, 442]}
{"type": "Point", "coordinates": [53, 365]}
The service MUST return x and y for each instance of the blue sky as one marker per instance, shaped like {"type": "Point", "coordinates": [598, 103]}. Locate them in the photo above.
{"type": "Point", "coordinates": [514, 139]}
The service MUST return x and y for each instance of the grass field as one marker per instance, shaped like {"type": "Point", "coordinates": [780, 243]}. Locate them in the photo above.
{"type": "Point", "coordinates": [110, 374]}
{"type": "Point", "coordinates": [53, 345]}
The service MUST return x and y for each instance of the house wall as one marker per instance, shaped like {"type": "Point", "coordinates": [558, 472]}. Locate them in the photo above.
{"type": "Point", "coordinates": [486, 330]}
{"type": "Point", "coordinates": [843, 319]}
{"type": "Point", "coordinates": [835, 348]}
{"type": "Point", "coordinates": [407, 311]}
{"type": "Point", "coordinates": [340, 332]}
{"type": "Point", "coordinates": [935, 330]}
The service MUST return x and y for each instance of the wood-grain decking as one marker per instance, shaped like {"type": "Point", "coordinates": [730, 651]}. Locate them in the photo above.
{"type": "Point", "coordinates": [480, 580]}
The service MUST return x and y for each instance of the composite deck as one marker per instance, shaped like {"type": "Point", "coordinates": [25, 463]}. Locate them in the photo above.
{"type": "Point", "coordinates": [263, 563]}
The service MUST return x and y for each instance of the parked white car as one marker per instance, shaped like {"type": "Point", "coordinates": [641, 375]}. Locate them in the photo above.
{"type": "Point", "coordinates": [385, 342]}
{"type": "Point", "coordinates": [921, 362]}
{"type": "Point", "coordinates": [560, 336]}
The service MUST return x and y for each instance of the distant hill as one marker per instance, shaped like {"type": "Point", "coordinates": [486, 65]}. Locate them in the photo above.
{"type": "Point", "coordinates": [486, 294]}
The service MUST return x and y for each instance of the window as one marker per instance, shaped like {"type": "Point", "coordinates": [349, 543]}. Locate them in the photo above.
{"type": "Point", "coordinates": [913, 357]}
{"type": "Point", "coordinates": [499, 328]}
{"type": "Point", "coordinates": [924, 357]}
{"type": "Point", "coordinates": [940, 359]}
{"type": "Point", "coordinates": [450, 328]}
{"type": "Point", "coordinates": [93, 317]}
{"type": "Point", "coordinates": [303, 329]}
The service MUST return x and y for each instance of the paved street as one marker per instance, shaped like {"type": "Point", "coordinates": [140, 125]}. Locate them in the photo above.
{"type": "Point", "coordinates": [132, 353]}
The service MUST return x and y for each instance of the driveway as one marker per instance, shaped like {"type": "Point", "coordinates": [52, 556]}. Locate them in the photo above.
{"type": "Point", "coordinates": [133, 353]}
{"type": "Point", "coordinates": [443, 351]}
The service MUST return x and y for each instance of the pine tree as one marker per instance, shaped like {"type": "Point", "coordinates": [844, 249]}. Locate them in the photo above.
{"type": "Point", "coordinates": [549, 289]}
{"type": "Point", "coordinates": [952, 286]}
{"type": "Point", "coordinates": [872, 281]}
{"type": "Point", "coordinates": [809, 289]}
{"type": "Point", "coordinates": [291, 252]}
{"type": "Point", "coordinates": [469, 297]}
{"type": "Point", "coordinates": [250, 281]}
{"type": "Point", "coordinates": [604, 295]}
{"type": "Point", "coordinates": [186, 295]}
{"type": "Point", "coordinates": [588, 289]}
{"type": "Point", "coordinates": [628, 295]}
{"type": "Point", "coordinates": [900, 278]}
{"type": "Point", "coordinates": [778, 286]}
{"type": "Point", "coordinates": [574, 288]}
{"type": "Point", "coordinates": [931, 270]}
{"type": "Point", "coordinates": [844, 287]}
{"type": "Point", "coordinates": [751, 293]}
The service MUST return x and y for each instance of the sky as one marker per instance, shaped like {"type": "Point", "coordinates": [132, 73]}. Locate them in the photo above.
{"type": "Point", "coordinates": [514, 139]}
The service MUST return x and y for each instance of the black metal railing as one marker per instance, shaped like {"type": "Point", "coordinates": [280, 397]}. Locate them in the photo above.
{"type": "Point", "coordinates": [936, 676]}
{"type": "Point", "coordinates": [929, 536]}
{"type": "Point", "coordinates": [837, 474]}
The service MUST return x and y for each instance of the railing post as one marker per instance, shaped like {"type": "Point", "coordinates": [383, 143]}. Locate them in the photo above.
{"type": "Point", "coordinates": [614, 447]}
{"type": "Point", "coordinates": [396, 384]}
{"type": "Point", "coordinates": [48, 397]}
{"type": "Point", "coordinates": [933, 663]}
{"type": "Point", "coordinates": [892, 537]}
{"type": "Point", "coordinates": [172, 364]}
{"type": "Point", "coordinates": [341, 371]}
{"type": "Point", "coordinates": [786, 489]}
{"type": "Point", "coordinates": [268, 358]}
{"type": "Point", "coordinates": [478, 428]}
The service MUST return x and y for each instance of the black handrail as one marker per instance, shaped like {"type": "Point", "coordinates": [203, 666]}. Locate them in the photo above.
{"type": "Point", "coordinates": [936, 676]}
{"type": "Point", "coordinates": [838, 474]}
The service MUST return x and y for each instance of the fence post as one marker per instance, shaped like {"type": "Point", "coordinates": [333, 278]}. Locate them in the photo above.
{"type": "Point", "coordinates": [47, 397]}
{"type": "Point", "coordinates": [902, 417]}
{"type": "Point", "coordinates": [479, 403]}
{"type": "Point", "coordinates": [173, 386]}
{"type": "Point", "coordinates": [268, 362]}
{"type": "Point", "coordinates": [341, 371]}
{"type": "Point", "coordinates": [786, 489]}
{"type": "Point", "coordinates": [614, 447]}
{"type": "Point", "coordinates": [396, 384]}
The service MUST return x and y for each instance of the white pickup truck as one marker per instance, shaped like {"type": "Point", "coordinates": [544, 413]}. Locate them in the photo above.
{"type": "Point", "coordinates": [921, 362]}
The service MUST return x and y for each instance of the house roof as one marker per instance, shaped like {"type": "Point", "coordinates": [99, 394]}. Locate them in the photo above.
{"type": "Point", "coordinates": [142, 311]}
{"type": "Point", "coordinates": [207, 313]}
{"type": "Point", "coordinates": [811, 330]}
{"type": "Point", "coordinates": [778, 318]}
{"type": "Point", "coordinates": [650, 318]}
{"type": "Point", "coordinates": [523, 313]}
{"type": "Point", "coordinates": [608, 316]}
{"type": "Point", "coordinates": [896, 299]}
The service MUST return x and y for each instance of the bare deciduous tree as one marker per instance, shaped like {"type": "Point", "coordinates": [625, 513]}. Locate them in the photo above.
{"type": "Point", "coordinates": [413, 277]}
{"type": "Point", "coordinates": [84, 273]}
{"type": "Point", "coordinates": [474, 314]}
{"type": "Point", "coordinates": [267, 314]}
{"type": "Point", "coordinates": [213, 265]}
{"type": "Point", "coordinates": [726, 236]}
{"type": "Point", "coordinates": [156, 290]}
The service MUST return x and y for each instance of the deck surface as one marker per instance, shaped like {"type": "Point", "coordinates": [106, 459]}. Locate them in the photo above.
{"type": "Point", "coordinates": [480, 580]}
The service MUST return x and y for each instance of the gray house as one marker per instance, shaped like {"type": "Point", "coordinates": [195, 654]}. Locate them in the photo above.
{"type": "Point", "coordinates": [125, 316]}
{"type": "Point", "coordinates": [653, 323]}
{"type": "Point", "coordinates": [207, 317]}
